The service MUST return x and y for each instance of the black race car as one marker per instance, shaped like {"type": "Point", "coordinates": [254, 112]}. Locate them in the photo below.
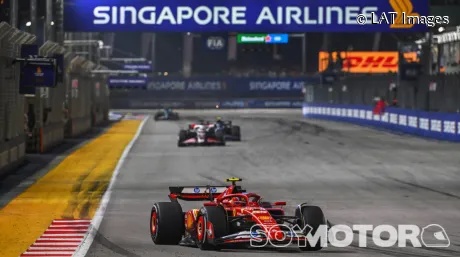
{"type": "Point", "coordinates": [166, 114]}
{"type": "Point", "coordinates": [231, 132]}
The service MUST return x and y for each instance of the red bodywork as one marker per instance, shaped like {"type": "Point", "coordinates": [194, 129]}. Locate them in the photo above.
{"type": "Point", "coordinates": [247, 206]}
{"type": "Point", "coordinates": [192, 126]}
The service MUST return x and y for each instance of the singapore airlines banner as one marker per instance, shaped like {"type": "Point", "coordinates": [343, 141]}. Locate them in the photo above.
{"type": "Point", "coordinates": [272, 16]}
{"type": "Point", "coordinates": [213, 87]}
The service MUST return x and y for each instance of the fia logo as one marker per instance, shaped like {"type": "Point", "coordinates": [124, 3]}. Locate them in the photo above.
{"type": "Point", "coordinates": [215, 43]}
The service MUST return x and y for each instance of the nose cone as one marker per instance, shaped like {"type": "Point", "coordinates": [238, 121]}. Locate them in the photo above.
{"type": "Point", "coordinates": [277, 235]}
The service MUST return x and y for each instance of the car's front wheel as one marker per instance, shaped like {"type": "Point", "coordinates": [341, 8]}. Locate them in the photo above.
{"type": "Point", "coordinates": [166, 223]}
{"type": "Point", "coordinates": [211, 224]}
{"type": "Point", "coordinates": [312, 218]}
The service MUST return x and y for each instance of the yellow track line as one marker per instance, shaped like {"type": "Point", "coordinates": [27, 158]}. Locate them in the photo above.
{"type": "Point", "coordinates": [71, 190]}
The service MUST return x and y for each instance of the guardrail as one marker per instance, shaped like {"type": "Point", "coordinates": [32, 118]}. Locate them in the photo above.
{"type": "Point", "coordinates": [442, 126]}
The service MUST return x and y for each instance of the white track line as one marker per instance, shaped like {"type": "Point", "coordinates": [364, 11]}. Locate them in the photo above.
{"type": "Point", "coordinates": [96, 222]}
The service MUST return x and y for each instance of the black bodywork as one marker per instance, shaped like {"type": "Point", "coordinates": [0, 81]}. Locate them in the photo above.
{"type": "Point", "coordinates": [160, 115]}
{"type": "Point", "coordinates": [231, 132]}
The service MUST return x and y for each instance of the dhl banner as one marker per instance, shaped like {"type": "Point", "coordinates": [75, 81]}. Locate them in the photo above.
{"type": "Point", "coordinates": [366, 62]}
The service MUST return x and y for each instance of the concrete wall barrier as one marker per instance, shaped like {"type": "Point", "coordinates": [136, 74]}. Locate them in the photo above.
{"type": "Point", "coordinates": [79, 126]}
{"type": "Point", "coordinates": [12, 136]}
{"type": "Point", "coordinates": [12, 154]}
{"type": "Point", "coordinates": [51, 136]}
{"type": "Point", "coordinates": [442, 126]}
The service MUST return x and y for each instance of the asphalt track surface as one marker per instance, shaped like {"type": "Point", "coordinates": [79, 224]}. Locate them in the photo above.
{"type": "Point", "coordinates": [357, 175]}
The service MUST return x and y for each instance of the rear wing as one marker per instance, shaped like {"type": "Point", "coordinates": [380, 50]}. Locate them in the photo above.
{"type": "Point", "coordinates": [196, 193]}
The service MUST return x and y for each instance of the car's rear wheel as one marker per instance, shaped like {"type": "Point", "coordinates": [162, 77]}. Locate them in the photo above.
{"type": "Point", "coordinates": [211, 224]}
{"type": "Point", "coordinates": [236, 133]}
{"type": "Point", "coordinates": [314, 217]}
{"type": "Point", "coordinates": [166, 223]}
{"type": "Point", "coordinates": [220, 137]}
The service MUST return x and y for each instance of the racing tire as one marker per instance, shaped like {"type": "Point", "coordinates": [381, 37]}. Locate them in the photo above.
{"type": "Point", "coordinates": [167, 223]}
{"type": "Point", "coordinates": [314, 217]}
{"type": "Point", "coordinates": [182, 138]}
{"type": "Point", "coordinates": [157, 116]}
{"type": "Point", "coordinates": [217, 216]}
{"type": "Point", "coordinates": [236, 133]}
{"type": "Point", "coordinates": [220, 137]}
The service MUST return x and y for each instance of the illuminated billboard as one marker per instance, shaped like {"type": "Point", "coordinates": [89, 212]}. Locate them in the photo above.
{"type": "Point", "coordinates": [366, 62]}
{"type": "Point", "coordinates": [275, 16]}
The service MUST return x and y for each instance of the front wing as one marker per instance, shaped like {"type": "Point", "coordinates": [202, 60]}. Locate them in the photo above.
{"type": "Point", "coordinates": [245, 239]}
{"type": "Point", "coordinates": [210, 141]}
{"type": "Point", "coordinates": [260, 240]}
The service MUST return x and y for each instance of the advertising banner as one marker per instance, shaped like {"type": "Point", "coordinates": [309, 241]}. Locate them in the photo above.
{"type": "Point", "coordinates": [147, 67]}
{"type": "Point", "coordinates": [441, 126]}
{"type": "Point", "coordinates": [128, 82]}
{"type": "Point", "coordinates": [216, 87]}
{"type": "Point", "coordinates": [230, 104]}
{"type": "Point", "coordinates": [38, 75]}
{"type": "Point", "coordinates": [262, 38]}
{"type": "Point", "coordinates": [26, 51]}
{"type": "Point", "coordinates": [275, 16]}
{"type": "Point", "coordinates": [366, 62]}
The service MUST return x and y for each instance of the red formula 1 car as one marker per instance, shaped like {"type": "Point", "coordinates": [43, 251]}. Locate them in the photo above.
{"type": "Point", "coordinates": [230, 217]}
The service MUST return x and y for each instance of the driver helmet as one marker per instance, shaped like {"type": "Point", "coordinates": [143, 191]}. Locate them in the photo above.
{"type": "Point", "coordinates": [218, 118]}
{"type": "Point", "coordinates": [236, 201]}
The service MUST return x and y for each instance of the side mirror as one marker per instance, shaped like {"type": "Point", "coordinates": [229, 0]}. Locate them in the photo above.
{"type": "Point", "coordinates": [210, 204]}
{"type": "Point", "coordinates": [279, 203]}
